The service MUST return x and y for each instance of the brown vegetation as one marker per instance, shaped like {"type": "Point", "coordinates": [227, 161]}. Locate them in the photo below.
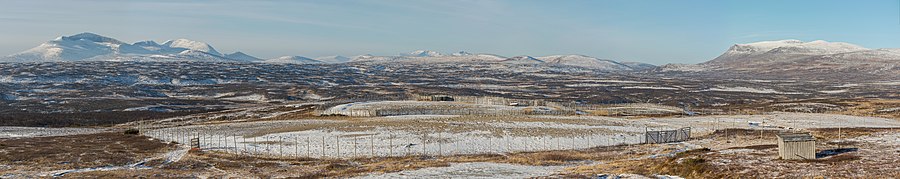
{"type": "Point", "coordinates": [689, 164]}
{"type": "Point", "coordinates": [82, 119]}
{"type": "Point", "coordinates": [77, 151]}
{"type": "Point", "coordinates": [208, 163]}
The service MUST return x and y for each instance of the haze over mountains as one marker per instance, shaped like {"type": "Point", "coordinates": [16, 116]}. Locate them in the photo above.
{"type": "Point", "coordinates": [767, 57]}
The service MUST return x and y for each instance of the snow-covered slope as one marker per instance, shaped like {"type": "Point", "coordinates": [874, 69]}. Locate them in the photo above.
{"type": "Point", "coordinates": [461, 53]}
{"type": "Point", "coordinates": [92, 47]}
{"type": "Point", "coordinates": [422, 53]}
{"type": "Point", "coordinates": [639, 65]}
{"type": "Point", "coordinates": [241, 56]}
{"type": "Point", "coordinates": [292, 60]}
{"type": "Point", "coordinates": [68, 48]}
{"type": "Point", "coordinates": [522, 60]}
{"type": "Point", "coordinates": [782, 50]}
{"type": "Point", "coordinates": [191, 45]}
{"type": "Point", "coordinates": [334, 59]}
{"type": "Point", "coordinates": [797, 59]}
{"type": "Point", "coordinates": [585, 61]}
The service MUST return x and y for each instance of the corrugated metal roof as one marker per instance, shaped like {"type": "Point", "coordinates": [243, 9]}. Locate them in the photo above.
{"type": "Point", "coordinates": [796, 137]}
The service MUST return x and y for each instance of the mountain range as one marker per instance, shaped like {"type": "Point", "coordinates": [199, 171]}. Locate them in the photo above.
{"type": "Point", "coordinates": [767, 57]}
{"type": "Point", "coordinates": [94, 47]}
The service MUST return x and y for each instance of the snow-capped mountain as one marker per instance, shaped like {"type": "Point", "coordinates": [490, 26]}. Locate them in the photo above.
{"type": "Point", "coordinates": [376, 59]}
{"type": "Point", "coordinates": [93, 47]}
{"type": "Point", "coordinates": [639, 65]}
{"type": "Point", "coordinates": [334, 59]}
{"type": "Point", "coordinates": [522, 60]}
{"type": "Point", "coordinates": [292, 60]}
{"type": "Point", "coordinates": [69, 48]}
{"type": "Point", "coordinates": [782, 50]}
{"type": "Point", "coordinates": [798, 59]}
{"type": "Point", "coordinates": [191, 45]}
{"type": "Point", "coordinates": [461, 53]}
{"type": "Point", "coordinates": [422, 53]}
{"type": "Point", "coordinates": [241, 56]}
{"type": "Point", "coordinates": [585, 61]}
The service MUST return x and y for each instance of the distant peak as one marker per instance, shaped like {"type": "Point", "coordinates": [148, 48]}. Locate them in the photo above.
{"type": "Point", "coordinates": [820, 45]}
{"type": "Point", "coordinates": [238, 53]}
{"type": "Point", "coordinates": [184, 42]}
{"type": "Point", "coordinates": [461, 53]}
{"type": "Point", "coordinates": [423, 53]}
{"type": "Point", "coordinates": [90, 37]}
{"type": "Point", "coordinates": [241, 56]}
{"type": "Point", "coordinates": [191, 45]}
{"type": "Point", "coordinates": [147, 43]}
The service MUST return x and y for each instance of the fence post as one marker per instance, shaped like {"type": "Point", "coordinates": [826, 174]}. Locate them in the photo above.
{"type": "Point", "coordinates": [391, 145]}
{"type": "Point", "coordinates": [574, 145]}
{"type": "Point", "coordinates": [440, 149]}
{"type": "Point", "coordinates": [508, 145]}
{"type": "Point", "coordinates": [424, 148]}
{"type": "Point", "coordinates": [372, 146]}
{"type": "Point", "coordinates": [544, 143]}
{"type": "Point", "coordinates": [323, 146]}
{"type": "Point", "coordinates": [558, 147]}
{"type": "Point", "coordinates": [491, 141]}
{"type": "Point", "coordinates": [354, 146]}
{"type": "Point", "coordinates": [590, 139]}
{"type": "Point", "coordinates": [280, 146]}
{"type": "Point", "coordinates": [234, 141]}
{"type": "Point", "coordinates": [307, 147]}
{"type": "Point", "coordinates": [338, 138]}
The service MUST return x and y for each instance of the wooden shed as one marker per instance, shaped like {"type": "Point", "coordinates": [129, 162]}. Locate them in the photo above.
{"type": "Point", "coordinates": [796, 146]}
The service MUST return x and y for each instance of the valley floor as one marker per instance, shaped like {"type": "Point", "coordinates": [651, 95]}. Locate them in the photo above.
{"type": "Point", "coordinates": [462, 147]}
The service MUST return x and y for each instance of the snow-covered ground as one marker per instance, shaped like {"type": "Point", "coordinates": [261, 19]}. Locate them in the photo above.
{"type": "Point", "coordinates": [25, 132]}
{"type": "Point", "coordinates": [473, 170]}
{"type": "Point", "coordinates": [747, 90]}
{"type": "Point", "coordinates": [386, 142]}
{"type": "Point", "coordinates": [478, 137]}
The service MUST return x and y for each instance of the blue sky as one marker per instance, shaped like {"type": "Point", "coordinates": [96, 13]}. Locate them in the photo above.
{"type": "Point", "coordinates": [657, 32]}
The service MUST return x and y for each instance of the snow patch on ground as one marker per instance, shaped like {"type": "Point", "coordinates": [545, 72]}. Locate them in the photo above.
{"type": "Point", "coordinates": [833, 91]}
{"type": "Point", "coordinates": [747, 90]}
{"type": "Point", "coordinates": [650, 87]}
{"type": "Point", "coordinates": [473, 170]}
{"type": "Point", "coordinates": [27, 132]}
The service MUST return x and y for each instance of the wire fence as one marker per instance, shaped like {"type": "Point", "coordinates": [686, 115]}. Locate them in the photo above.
{"type": "Point", "coordinates": [385, 144]}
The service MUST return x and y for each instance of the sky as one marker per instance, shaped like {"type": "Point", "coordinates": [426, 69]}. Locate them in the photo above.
{"type": "Point", "coordinates": [656, 32]}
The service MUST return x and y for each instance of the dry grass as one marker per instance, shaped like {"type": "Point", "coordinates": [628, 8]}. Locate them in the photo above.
{"type": "Point", "coordinates": [871, 107]}
{"type": "Point", "coordinates": [224, 165]}
{"type": "Point", "coordinates": [77, 151]}
{"type": "Point", "coordinates": [835, 133]}
{"type": "Point", "coordinates": [690, 164]}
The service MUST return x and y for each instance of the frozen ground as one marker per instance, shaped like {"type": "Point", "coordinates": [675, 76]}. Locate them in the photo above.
{"type": "Point", "coordinates": [473, 170]}
{"type": "Point", "coordinates": [394, 108]}
{"type": "Point", "coordinates": [25, 132]}
{"type": "Point", "coordinates": [451, 135]}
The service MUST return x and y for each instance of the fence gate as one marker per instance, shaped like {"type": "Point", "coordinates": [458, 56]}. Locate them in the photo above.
{"type": "Point", "coordinates": [195, 143]}
{"type": "Point", "coordinates": [667, 136]}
